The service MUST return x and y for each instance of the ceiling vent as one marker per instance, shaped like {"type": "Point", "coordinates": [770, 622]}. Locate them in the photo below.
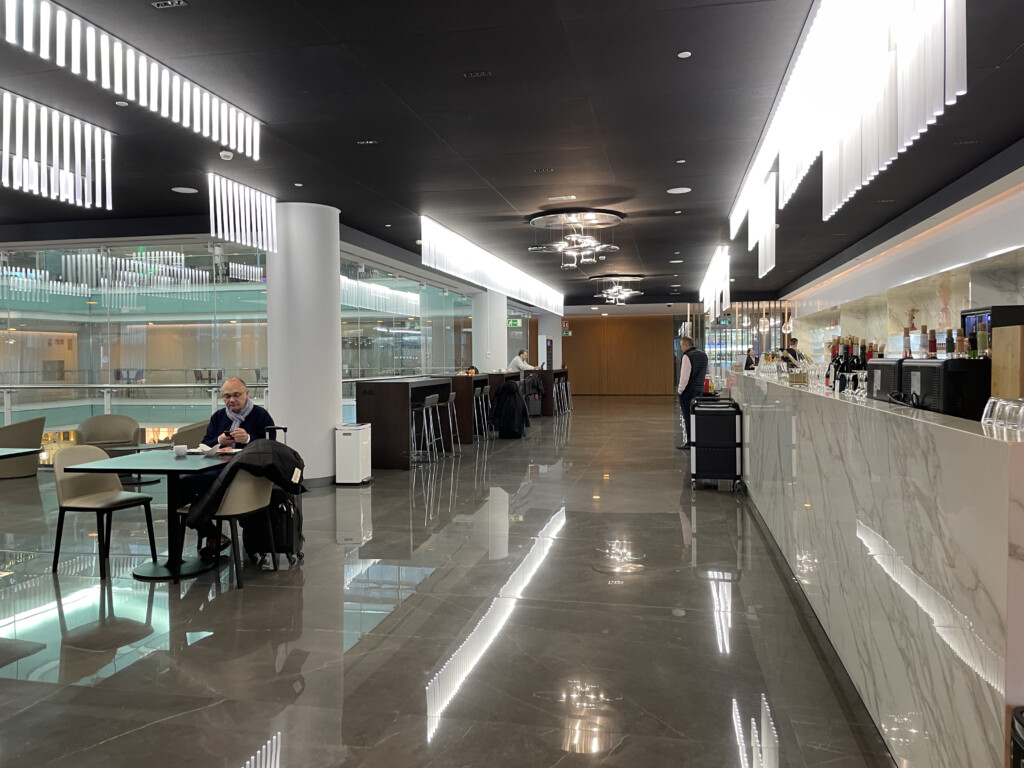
{"type": "Point", "coordinates": [475, 75]}
{"type": "Point", "coordinates": [161, 4]}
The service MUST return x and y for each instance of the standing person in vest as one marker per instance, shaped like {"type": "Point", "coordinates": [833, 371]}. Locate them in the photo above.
{"type": "Point", "coordinates": [691, 381]}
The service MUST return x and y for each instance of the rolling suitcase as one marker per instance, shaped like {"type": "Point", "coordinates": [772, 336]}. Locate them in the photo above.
{"type": "Point", "coordinates": [285, 522]}
{"type": "Point", "coordinates": [716, 439]}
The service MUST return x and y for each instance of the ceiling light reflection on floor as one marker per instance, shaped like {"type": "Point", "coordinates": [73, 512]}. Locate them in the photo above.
{"type": "Point", "coordinates": [619, 557]}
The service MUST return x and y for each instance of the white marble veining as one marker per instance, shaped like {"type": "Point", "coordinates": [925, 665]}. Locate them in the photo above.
{"type": "Point", "coordinates": [906, 531]}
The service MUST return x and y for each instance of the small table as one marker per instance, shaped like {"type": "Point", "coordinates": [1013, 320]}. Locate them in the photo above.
{"type": "Point", "coordinates": [172, 467]}
{"type": "Point", "coordinates": [12, 453]}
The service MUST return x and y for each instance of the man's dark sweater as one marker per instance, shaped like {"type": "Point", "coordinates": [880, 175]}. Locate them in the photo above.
{"type": "Point", "coordinates": [255, 424]}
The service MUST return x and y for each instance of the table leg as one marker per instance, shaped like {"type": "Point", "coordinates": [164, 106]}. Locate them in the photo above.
{"type": "Point", "coordinates": [173, 569]}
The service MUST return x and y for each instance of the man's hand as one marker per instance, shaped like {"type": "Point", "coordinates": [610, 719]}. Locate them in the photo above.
{"type": "Point", "coordinates": [235, 437]}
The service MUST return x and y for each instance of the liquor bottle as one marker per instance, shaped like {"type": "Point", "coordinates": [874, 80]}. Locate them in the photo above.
{"type": "Point", "coordinates": [972, 345]}
{"type": "Point", "coordinates": [871, 352]}
{"type": "Point", "coordinates": [983, 350]}
{"type": "Point", "coordinates": [923, 343]}
{"type": "Point", "coordinates": [933, 347]}
{"type": "Point", "coordinates": [950, 348]}
{"type": "Point", "coordinates": [864, 353]}
{"type": "Point", "coordinates": [833, 365]}
{"type": "Point", "coordinates": [906, 343]}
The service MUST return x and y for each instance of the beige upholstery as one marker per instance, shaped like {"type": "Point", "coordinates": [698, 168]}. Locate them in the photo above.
{"type": "Point", "coordinates": [109, 429]}
{"type": "Point", "coordinates": [246, 495]}
{"type": "Point", "coordinates": [99, 492]}
{"type": "Point", "coordinates": [21, 434]}
{"type": "Point", "coordinates": [191, 434]}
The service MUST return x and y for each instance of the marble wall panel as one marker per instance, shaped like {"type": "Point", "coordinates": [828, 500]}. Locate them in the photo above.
{"type": "Point", "coordinates": [896, 525]}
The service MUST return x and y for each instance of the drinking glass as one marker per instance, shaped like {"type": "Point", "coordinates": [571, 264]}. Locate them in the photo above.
{"type": "Point", "coordinates": [997, 412]}
{"type": "Point", "coordinates": [988, 415]}
{"type": "Point", "coordinates": [1011, 414]}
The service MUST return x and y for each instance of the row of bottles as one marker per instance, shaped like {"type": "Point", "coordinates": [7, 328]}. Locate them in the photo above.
{"type": "Point", "coordinates": [849, 356]}
{"type": "Point", "coordinates": [972, 346]}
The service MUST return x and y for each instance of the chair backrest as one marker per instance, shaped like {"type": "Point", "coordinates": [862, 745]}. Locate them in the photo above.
{"type": "Point", "coordinates": [430, 401]}
{"type": "Point", "coordinates": [108, 429]}
{"type": "Point", "coordinates": [21, 434]}
{"type": "Point", "coordinates": [72, 484]}
{"type": "Point", "coordinates": [451, 398]}
{"type": "Point", "coordinates": [246, 493]}
{"type": "Point", "coordinates": [200, 376]}
{"type": "Point", "coordinates": [191, 434]}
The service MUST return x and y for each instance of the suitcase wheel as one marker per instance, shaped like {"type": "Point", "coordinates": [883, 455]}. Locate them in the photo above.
{"type": "Point", "coordinates": [254, 558]}
{"type": "Point", "coordinates": [292, 559]}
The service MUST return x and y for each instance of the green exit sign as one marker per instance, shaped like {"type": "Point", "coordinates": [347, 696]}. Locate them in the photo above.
{"type": "Point", "coordinates": [515, 322]}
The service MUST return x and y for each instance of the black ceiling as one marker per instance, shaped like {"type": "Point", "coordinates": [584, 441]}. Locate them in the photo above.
{"type": "Point", "coordinates": [585, 98]}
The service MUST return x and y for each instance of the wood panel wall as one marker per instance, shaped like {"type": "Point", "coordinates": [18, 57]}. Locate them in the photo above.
{"type": "Point", "coordinates": [620, 355]}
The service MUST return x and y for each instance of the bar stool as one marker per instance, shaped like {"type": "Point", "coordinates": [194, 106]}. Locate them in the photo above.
{"type": "Point", "coordinates": [453, 422]}
{"type": "Point", "coordinates": [481, 408]}
{"type": "Point", "coordinates": [568, 393]}
{"type": "Point", "coordinates": [432, 412]}
{"type": "Point", "coordinates": [425, 433]}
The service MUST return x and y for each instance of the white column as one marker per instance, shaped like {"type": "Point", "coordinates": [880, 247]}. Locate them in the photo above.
{"type": "Point", "coordinates": [490, 331]}
{"type": "Point", "coordinates": [304, 332]}
{"type": "Point", "coordinates": [551, 326]}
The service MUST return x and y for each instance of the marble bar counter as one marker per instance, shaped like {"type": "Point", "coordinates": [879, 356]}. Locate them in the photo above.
{"type": "Point", "coordinates": [905, 530]}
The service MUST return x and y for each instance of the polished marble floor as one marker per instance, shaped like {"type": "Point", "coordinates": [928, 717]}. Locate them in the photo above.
{"type": "Point", "coordinates": [468, 613]}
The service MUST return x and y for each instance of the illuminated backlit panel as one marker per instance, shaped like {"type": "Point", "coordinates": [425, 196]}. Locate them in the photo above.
{"type": "Point", "coordinates": [714, 289]}
{"type": "Point", "coordinates": [51, 154]}
{"type": "Point", "coordinates": [242, 214]}
{"type": "Point", "coordinates": [451, 253]}
{"type": "Point", "coordinates": [45, 29]}
{"type": "Point", "coordinates": [363, 294]}
{"type": "Point", "coordinates": [870, 77]}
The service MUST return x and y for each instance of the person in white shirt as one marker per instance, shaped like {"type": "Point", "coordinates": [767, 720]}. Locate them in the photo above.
{"type": "Point", "coordinates": [518, 363]}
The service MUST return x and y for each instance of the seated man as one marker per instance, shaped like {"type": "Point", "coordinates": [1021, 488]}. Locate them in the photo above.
{"type": "Point", "coordinates": [240, 421]}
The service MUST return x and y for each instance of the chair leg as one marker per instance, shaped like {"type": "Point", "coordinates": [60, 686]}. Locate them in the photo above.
{"type": "Point", "coordinates": [270, 537]}
{"type": "Point", "coordinates": [108, 537]}
{"type": "Point", "coordinates": [149, 530]}
{"type": "Point", "coordinates": [235, 551]}
{"type": "Point", "coordinates": [100, 531]}
{"type": "Point", "coordinates": [56, 543]}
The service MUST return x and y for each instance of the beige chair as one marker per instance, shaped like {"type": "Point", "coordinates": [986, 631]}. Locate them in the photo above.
{"type": "Point", "coordinates": [191, 434]}
{"type": "Point", "coordinates": [109, 431]}
{"type": "Point", "coordinates": [99, 492]}
{"type": "Point", "coordinates": [21, 434]}
{"type": "Point", "coordinates": [246, 495]}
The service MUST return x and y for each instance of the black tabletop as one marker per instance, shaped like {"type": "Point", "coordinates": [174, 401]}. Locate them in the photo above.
{"type": "Point", "coordinates": [154, 463]}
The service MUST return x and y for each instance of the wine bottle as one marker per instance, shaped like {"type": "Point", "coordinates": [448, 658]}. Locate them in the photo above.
{"type": "Point", "coordinates": [983, 350]}
{"type": "Point", "coordinates": [906, 343]}
{"type": "Point", "coordinates": [933, 347]}
{"type": "Point", "coordinates": [972, 345]}
{"type": "Point", "coordinates": [870, 353]}
{"type": "Point", "coordinates": [950, 348]}
{"type": "Point", "coordinates": [923, 342]}
{"type": "Point", "coordinates": [864, 353]}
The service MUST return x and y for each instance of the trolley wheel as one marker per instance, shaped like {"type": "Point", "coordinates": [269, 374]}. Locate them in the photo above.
{"type": "Point", "coordinates": [292, 559]}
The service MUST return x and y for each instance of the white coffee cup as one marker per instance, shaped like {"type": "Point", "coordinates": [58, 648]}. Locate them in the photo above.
{"type": "Point", "coordinates": [180, 450]}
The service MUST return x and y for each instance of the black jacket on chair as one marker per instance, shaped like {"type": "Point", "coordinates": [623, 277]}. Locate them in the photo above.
{"type": "Point", "coordinates": [511, 417]}
{"type": "Point", "coordinates": [275, 461]}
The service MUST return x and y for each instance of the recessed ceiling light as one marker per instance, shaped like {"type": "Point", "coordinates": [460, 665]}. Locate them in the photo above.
{"type": "Point", "coordinates": [675, 286]}
{"type": "Point", "coordinates": [684, 54]}
{"type": "Point", "coordinates": [678, 190]}
{"type": "Point", "coordinates": [185, 190]}
{"type": "Point", "coordinates": [364, 142]}
{"type": "Point", "coordinates": [120, 103]}
{"type": "Point", "coordinates": [298, 183]}
{"type": "Point", "coordinates": [388, 226]}
{"type": "Point", "coordinates": [676, 261]}
{"type": "Point", "coordinates": [419, 242]}
{"type": "Point", "coordinates": [675, 275]}
{"type": "Point", "coordinates": [559, 198]}
{"type": "Point", "coordinates": [604, 314]}
{"type": "Point", "coordinates": [676, 253]}
{"type": "Point", "coordinates": [680, 161]}
{"type": "Point", "coordinates": [676, 212]}
{"type": "Point", "coordinates": [732, 279]}
{"type": "Point", "coordinates": [594, 308]}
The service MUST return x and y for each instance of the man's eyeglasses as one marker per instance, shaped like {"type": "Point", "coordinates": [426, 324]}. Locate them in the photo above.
{"type": "Point", "coordinates": [233, 395]}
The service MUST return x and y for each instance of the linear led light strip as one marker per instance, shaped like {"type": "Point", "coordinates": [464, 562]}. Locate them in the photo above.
{"type": "Point", "coordinates": [714, 289]}
{"type": "Point", "coordinates": [54, 33]}
{"type": "Point", "coordinates": [46, 152]}
{"type": "Point", "coordinates": [449, 252]}
{"type": "Point", "coordinates": [362, 294]}
{"type": "Point", "coordinates": [248, 272]}
{"type": "Point", "coordinates": [443, 687]}
{"type": "Point", "coordinates": [242, 214]}
{"type": "Point", "coordinates": [869, 78]}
